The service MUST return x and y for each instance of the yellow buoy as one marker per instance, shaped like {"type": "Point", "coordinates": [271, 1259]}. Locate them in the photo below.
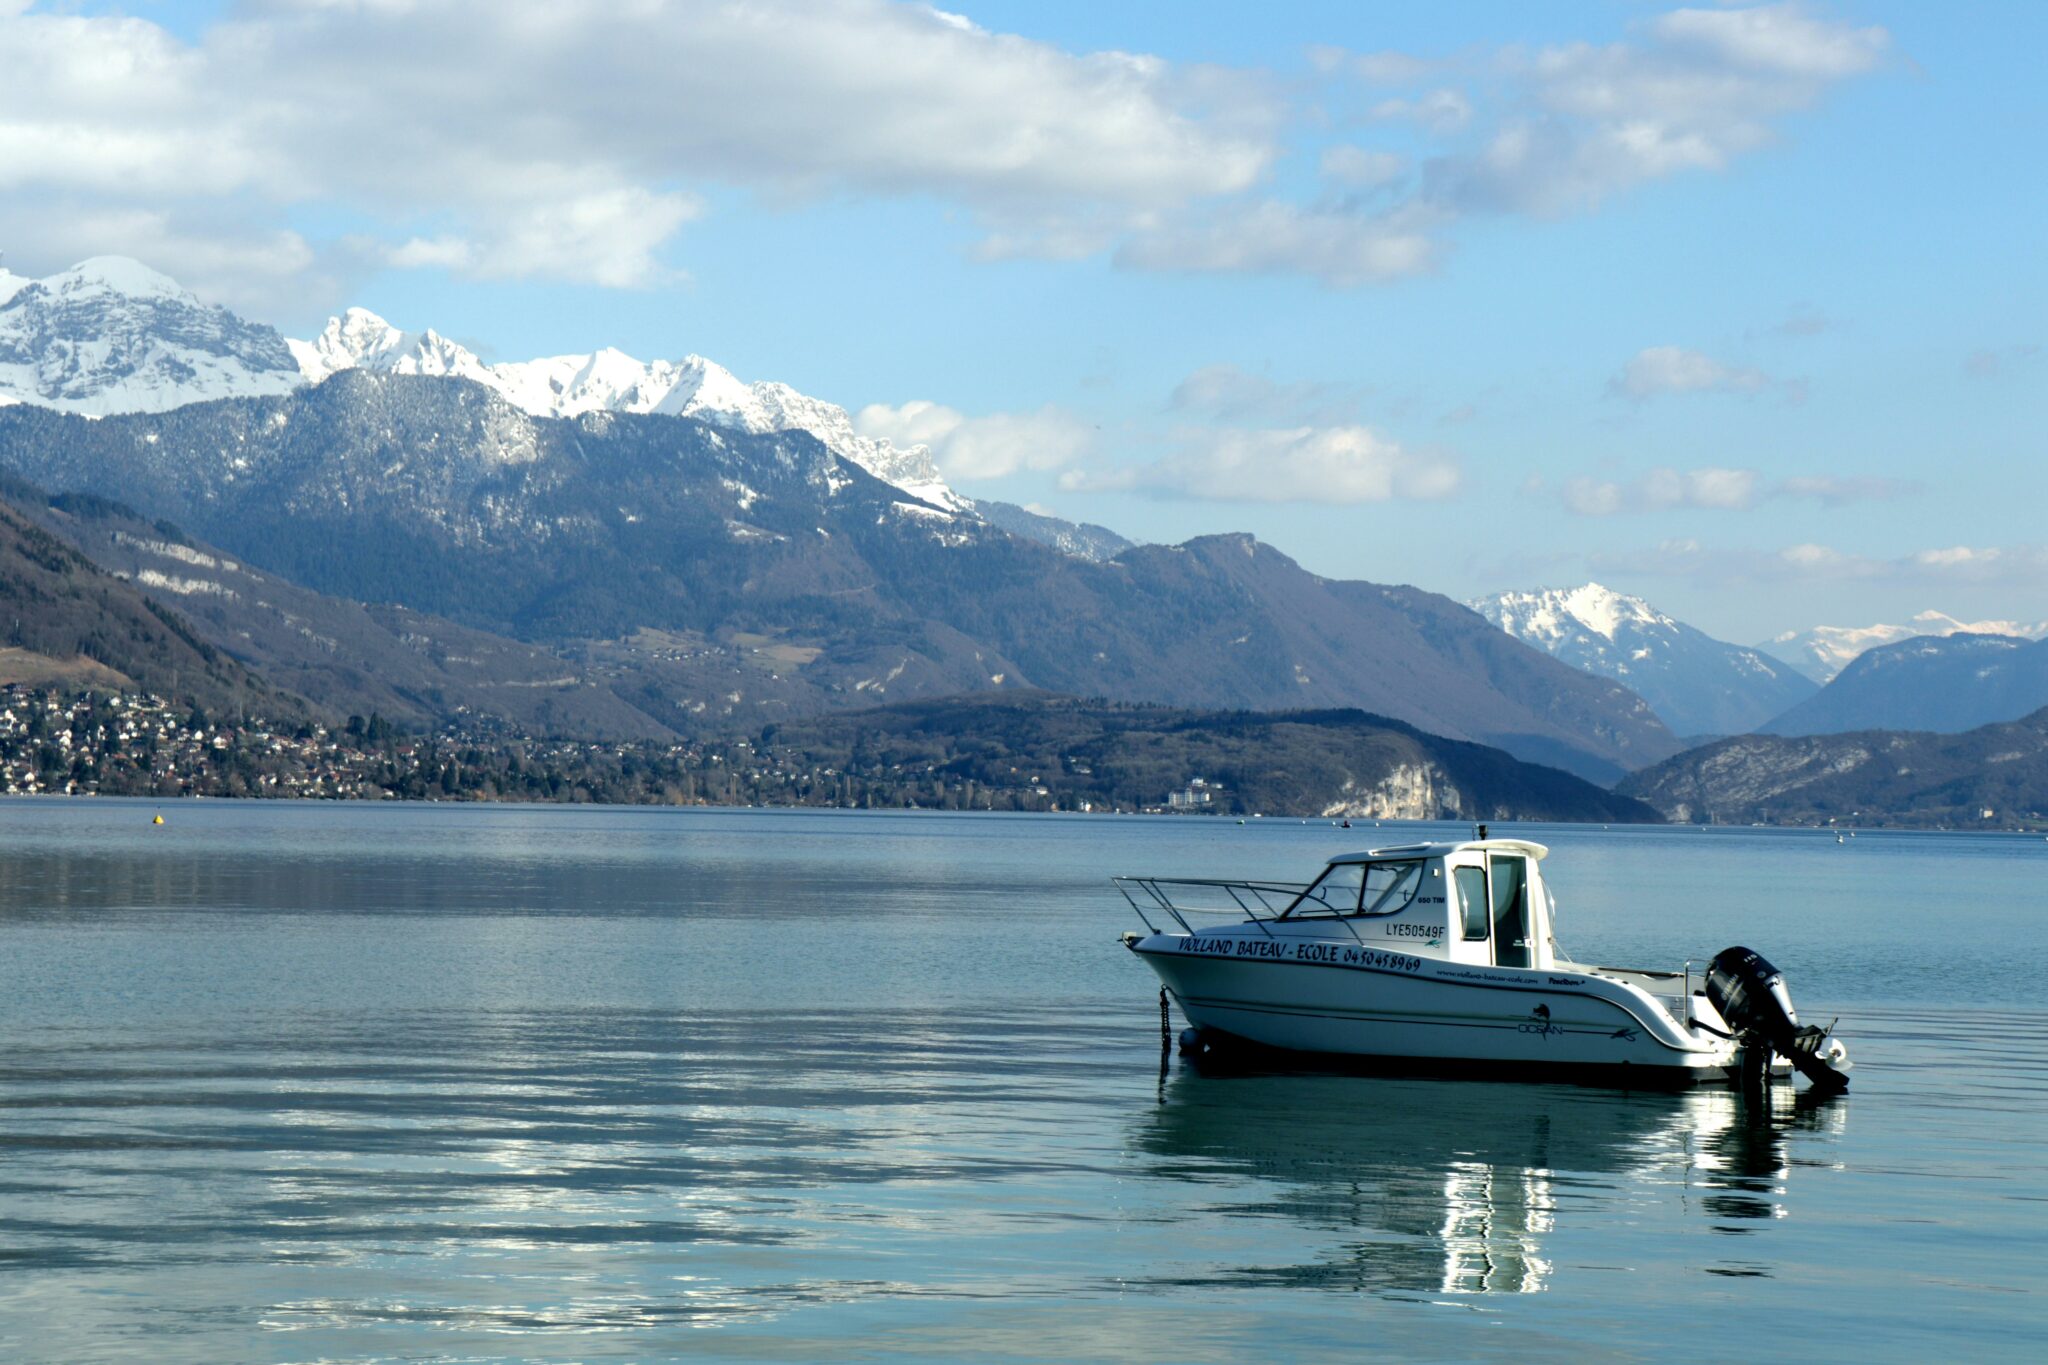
{"type": "Point", "coordinates": [159, 819]}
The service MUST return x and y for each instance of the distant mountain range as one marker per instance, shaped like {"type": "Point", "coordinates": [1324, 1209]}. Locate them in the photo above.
{"type": "Point", "coordinates": [1945, 683]}
{"type": "Point", "coordinates": [598, 545]}
{"type": "Point", "coordinates": [1993, 776]}
{"type": "Point", "coordinates": [731, 548]}
{"type": "Point", "coordinates": [1932, 676]}
{"type": "Point", "coordinates": [110, 335]}
{"type": "Point", "coordinates": [1824, 651]}
{"type": "Point", "coordinates": [1696, 684]}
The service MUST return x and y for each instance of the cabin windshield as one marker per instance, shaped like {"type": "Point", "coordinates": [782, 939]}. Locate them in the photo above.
{"type": "Point", "coordinates": [1360, 889]}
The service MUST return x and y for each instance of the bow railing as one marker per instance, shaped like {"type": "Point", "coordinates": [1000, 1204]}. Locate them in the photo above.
{"type": "Point", "coordinates": [1179, 898]}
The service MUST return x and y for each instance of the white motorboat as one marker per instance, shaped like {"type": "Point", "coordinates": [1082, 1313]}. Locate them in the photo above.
{"type": "Point", "coordinates": [1445, 954]}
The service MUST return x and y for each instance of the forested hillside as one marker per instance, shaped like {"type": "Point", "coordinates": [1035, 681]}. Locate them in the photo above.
{"type": "Point", "coordinates": [1302, 763]}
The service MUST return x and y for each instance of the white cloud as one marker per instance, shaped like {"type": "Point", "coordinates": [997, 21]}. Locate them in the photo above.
{"type": "Point", "coordinates": [1361, 168]}
{"type": "Point", "coordinates": [1717, 489]}
{"type": "Point", "coordinates": [511, 138]}
{"type": "Point", "coordinates": [1347, 464]}
{"type": "Point", "coordinates": [1701, 89]}
{"type": "Point", "coordinates": [610, 237]}
{"type": "Point", "coordinates": [1232, 394]}
{"type": "Point", "coordinates": [1546, 132]}
{"type": "Point", "coordinates": [1776, 38]}
{"type": "Point", "coordinates": [1673, 369]}
{"type": "Point", "coordinates": [1956, 556]}
{"type": "Point", "coordinates": [1840, 492]}
{"type": "Point", "coordinates": [827, 95]}
{"type": "Point", "coordinates": [1724, 489]}
{"type": "Point", "coordinates": [209, 249]}
{"type": "Point", "coordinates": [1393, 68]}
{"type": "Point", "coordinates": [1595, 497]}
{"type": "Point", "coordinates": [2020, 566]}
{"type": "Point", "coordinates": [919, 422]}
{"type": "Point", "coordinates": [991, 447]}
{"type": "Point", "coordinates": [1387, 68]}
{"type": "Point", "coordinates": [1661, 489]}
{"type": "Point", "coordinates": [1335, 245]}
{"type": "Point", "coordinates": [1247, 437]}
{"type": "Point", "coordinates": [526, 137]}
{"type": "Point", "coordinates": [1440, 111]}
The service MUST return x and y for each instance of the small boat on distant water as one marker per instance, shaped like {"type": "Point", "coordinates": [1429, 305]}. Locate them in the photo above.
{"type": "Point", "coordinates": [1445, 954]}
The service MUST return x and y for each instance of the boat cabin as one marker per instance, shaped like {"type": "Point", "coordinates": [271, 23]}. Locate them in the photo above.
{"type": "Point", "coordinates": [1479, 901]}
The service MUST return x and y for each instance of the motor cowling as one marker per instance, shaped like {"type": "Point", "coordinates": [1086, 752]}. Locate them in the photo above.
{"type": "Point", "coordinates": [1751, 995]}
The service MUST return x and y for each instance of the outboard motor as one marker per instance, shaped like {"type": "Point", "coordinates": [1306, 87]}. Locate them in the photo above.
{"type": "Point", "coordinates": [1750, 994]}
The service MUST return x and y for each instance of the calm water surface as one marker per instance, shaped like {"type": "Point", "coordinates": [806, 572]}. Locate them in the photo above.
{"type": "Point", "coordinates": [296, 1082]}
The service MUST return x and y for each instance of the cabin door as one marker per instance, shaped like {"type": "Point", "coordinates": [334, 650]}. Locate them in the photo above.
{"type": "Point", "coordinates": [1512, 945]}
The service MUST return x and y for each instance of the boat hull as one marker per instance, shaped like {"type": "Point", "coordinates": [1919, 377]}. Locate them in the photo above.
{"type": "Point", "coordinates": [1401, 1008]}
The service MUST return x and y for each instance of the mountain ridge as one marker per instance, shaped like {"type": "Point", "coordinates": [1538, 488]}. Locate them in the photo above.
{"type": "Point", "coordinates": [436, 494]}
{"type": "Point", "coordinates": [1993, 776]}
{"type": "Point", "coordinates": [112, 336]}
{"type": "Point", "coordinates": [1941, 683]}
{"type": "Point", "coordinates": [1696, 684]}
{"type": "Point", "coordinates": [609, 380]}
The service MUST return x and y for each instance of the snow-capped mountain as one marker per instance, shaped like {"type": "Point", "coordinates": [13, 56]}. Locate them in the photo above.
{"type": "Point", "coordinates": [1824, 651]}
{"type": "Point", "coordinates": [1696, 684]}
{"type": "Point", "coordinates": [111, 335]}
{"type": "Point", "coordinates": [612, 381]}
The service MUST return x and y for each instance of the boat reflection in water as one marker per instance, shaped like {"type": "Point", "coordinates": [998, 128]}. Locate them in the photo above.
{"type": "Point", "coordinates": [1444, 1187]}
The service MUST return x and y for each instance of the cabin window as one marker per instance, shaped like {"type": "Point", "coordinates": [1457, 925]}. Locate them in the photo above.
{"type": "Point", "coordinates": [1389, 887]}
{"type": "Point", "coordinates": [1334, 893]}
{"type": "Point", "coordinates": [1361, 889]}
{"type": "Point", "coordinates": [1471, 883]}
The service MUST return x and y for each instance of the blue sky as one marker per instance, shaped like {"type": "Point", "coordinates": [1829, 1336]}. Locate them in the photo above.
{"type": "Point", "coordinates": [1741, 308]}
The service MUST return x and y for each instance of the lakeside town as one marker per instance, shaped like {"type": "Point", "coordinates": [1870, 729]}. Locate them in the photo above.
{"type": "Point", "coordinates": [88, 743]}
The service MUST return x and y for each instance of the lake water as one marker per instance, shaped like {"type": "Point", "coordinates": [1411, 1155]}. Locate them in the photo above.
{"type": "Point", "coordinates": [298, 1082]}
